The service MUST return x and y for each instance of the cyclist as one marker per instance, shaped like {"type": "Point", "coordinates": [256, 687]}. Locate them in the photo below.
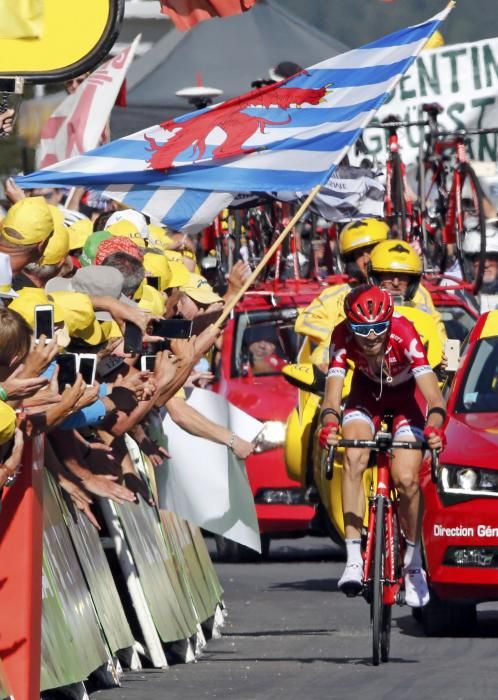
{"type": "Point", "coordinates": [391, 372]}
{"type": "Point", "coordinates": [395, 266]}
{"type": "Point", "coordinates": [356, 242]}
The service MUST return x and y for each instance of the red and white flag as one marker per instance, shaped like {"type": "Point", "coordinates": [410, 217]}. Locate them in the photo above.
{"type": "Point", "coordinates": [187, 13]}
{"type": "Point", "coordinates": [79, 121]}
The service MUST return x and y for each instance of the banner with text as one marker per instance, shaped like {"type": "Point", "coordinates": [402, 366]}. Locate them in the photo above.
{"type": "Point", "coordinates": [463, 79]}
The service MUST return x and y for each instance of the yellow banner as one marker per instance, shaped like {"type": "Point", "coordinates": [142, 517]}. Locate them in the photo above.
{"type": "Point", "coordinates": [21, 19]}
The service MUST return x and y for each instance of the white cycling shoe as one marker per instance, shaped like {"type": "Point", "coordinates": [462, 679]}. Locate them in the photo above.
{"type": "Point", "coordinates": [351, 581]}
{"type": "Point", "coordinates": [416, 590]}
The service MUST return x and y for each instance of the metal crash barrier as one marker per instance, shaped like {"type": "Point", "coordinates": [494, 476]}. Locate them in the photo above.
{"type": "Point", "coordinates": [76, 604]}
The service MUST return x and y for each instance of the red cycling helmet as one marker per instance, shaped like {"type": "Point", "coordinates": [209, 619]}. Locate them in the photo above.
{"type": "Point", "coordinates": [368, 304]}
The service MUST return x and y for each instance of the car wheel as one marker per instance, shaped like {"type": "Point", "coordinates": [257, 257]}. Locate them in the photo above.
{"type": "Point", "coordinates": [230, 551]}
{"type": "Point", "coordinates": [441, 618]}
{"type": "Point", "coordinates": [417, 614]}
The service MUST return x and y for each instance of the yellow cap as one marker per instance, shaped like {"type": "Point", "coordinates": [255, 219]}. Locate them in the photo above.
{"type": "Point", "coordinates": [199, 289]}
{"type": "Point", "coordinates": [58, 244]}
{"type": "Point", "coordinates": [28, 222]}
{"type": "Point", "coordinates": [79, 316]}
{"type": "Point", "coordinates": [79, 232]}
{"type": "Point", "coordinates": [152, 301]}
{"type": "Point", "coordinates": [170, 273]}
{"type": "Point", "coordinates": [28, 298]}
{"type": "Point", "coordinates": [110, 329]}
{"type": "Point", "coordinates": [128, 230]}
{"type": "Point", "coordinates": [7, 423]}
{"type": "Point", "coordinates": [359, 234]}
{"type": "Point", "coordinates": [158, 238]}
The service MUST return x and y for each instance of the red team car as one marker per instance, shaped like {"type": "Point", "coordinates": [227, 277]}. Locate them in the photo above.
{"type": "Point", "coordinates": [460, 527]}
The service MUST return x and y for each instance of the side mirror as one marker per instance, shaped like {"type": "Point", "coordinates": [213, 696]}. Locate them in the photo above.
{"type": "Point", "coordinates": [306, 376]}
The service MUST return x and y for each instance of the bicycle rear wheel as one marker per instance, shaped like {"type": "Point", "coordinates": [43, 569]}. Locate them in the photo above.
{"type": "Point", "coordinates": [474, 220]}
{"type": "Point", "coordinates": [433, 208]}
{"type": "Point", "coordinates": [377, 608]}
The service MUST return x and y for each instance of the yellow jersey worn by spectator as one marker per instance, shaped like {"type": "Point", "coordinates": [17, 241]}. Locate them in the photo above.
{"type": "Point", "coordinates": [356, 242]}
{"type": "Point", "coordinates": [395, 266]}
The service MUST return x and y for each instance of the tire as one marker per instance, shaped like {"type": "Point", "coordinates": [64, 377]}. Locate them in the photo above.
{"type": "Point", "coordinates": [377, 589]}
{"type": "Point", "coordinates": [398, 197]}
{"type": "Point", "coordinates": [473, 209]}
{"type": "Point", "coordinates": [445, 618]}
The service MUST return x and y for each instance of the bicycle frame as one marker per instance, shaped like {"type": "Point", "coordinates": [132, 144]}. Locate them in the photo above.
{"type": "Point", "coordinates": [385, 489]}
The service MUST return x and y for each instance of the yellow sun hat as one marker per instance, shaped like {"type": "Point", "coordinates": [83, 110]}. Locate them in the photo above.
{"type": "Point", "coordinates": [170, 273]}
{"type": "Point", "coordinates": [30, 297]}
{"type": "Point", "coordinates": [79, 315]}
{"type": "Point", "coordinates": [79, 232]}
{"type": "Point", "coordinates": [159, 238]}
{"type": "Point", "coordinates": [128, 230]}
{"type": "Point", "coordinates": [58, 244]}
{"type": "Point", "coordinates": [152, 301]}
{"type": "Point", "coordinates": [28, 222]}
{"type": "Point", "coordinates": [199, 289]}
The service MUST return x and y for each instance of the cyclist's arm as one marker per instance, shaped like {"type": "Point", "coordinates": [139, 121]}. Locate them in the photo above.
{"type": "Point", "coordinates": [429, 388]}
{"type": "Point", "coordinates": [332, 398]}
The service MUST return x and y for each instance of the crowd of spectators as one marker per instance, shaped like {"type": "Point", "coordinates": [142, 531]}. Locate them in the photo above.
{"type": "Point", "coordinates": [77, 288]}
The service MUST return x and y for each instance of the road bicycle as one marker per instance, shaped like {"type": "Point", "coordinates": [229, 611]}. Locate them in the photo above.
{"type": "Point", "coordinates": [450, 195]}
{"type": "Point", "coordinates": [383, 543]}
{"type": "Point", "coordinates": [399, 202]}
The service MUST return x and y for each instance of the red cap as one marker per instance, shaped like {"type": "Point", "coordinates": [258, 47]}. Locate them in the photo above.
{"type": "Point", "coordinates": [117, 244]}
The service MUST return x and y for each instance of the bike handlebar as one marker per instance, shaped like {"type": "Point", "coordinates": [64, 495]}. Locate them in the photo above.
{"type": "Point", "coordinates": [396, 125]}
{"type": "Point", "coordinates": [383, 444]}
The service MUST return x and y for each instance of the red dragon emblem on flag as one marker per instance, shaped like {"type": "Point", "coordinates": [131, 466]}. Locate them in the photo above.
{"type": "Point", "coordinates": [237, 125]}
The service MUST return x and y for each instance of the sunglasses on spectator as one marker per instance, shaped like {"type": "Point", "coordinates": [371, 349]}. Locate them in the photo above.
{"type": "Point", "coordinates": [364, 329]}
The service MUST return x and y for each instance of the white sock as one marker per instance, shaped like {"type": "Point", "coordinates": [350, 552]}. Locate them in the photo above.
{"type": "Point", "coordinates": [353, 549]}
{"type": "Point", "coordinates": [413, 556]}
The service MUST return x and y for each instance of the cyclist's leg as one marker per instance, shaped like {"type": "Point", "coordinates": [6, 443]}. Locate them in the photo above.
{"type": "Point", "coordinates": [355, 425]}
{"type": "Point", "coordinates": [405, 474]}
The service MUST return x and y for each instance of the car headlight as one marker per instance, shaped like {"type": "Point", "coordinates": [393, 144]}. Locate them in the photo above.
{"type": "Point", "coordinates": [468, 481]}
{"type": "Point", "coordinates": [271, 435]}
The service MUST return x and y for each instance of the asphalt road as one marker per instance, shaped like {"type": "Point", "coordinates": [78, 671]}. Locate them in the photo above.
{"type": "Point", "coordinates": [290, 634]}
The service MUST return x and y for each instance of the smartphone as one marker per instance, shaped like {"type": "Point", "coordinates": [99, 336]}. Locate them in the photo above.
{"type": "Point", "coordinates": [109, 364]}
{"type": "Point", "coordinates": [132, 338]}
{"type": "Point", "coordinates": [172, 328]}
{"type": "Point", "coordinates": [87, 367]}
{"type": "Point", "coordinates": [44, 321]}
{"type": "Point", "coordinates": [68, 368]}
{"type": "Point", "coordinates": [147, 363]}
{"type": "Point", "coordinates": [452, 352]}
{"type": "Point", "coordinates": [154, 281]}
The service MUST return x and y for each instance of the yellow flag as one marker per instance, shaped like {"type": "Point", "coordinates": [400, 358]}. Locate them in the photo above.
{"type": "Point", "coordinates": [21, 19]}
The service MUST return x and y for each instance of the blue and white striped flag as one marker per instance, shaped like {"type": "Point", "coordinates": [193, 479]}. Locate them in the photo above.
{"type": "Point", "coordinates": [284, 137]}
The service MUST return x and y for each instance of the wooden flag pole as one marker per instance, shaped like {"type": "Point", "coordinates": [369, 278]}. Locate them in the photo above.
{"type": "Point", "coordinates": [276, 244]}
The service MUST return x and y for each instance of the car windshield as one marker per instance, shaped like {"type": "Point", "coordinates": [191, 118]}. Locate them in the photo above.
{"type": "Point", "coordinates": [457, 321]}
{"type": "Point", "coordinates": [264, 342]}
{"type": "Point", "coordinates": [479, 391]}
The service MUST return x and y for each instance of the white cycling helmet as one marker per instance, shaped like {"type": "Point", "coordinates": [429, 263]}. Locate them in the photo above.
{"type": "Point", "coordinates": [472, 241]}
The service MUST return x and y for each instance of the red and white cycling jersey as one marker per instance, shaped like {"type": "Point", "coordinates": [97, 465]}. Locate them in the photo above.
{"type": "Point", "coordinates": [404, 355]}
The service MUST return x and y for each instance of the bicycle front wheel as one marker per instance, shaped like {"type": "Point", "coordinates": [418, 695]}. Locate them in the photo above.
{"type": "Point", "coordinates": [377, 598]}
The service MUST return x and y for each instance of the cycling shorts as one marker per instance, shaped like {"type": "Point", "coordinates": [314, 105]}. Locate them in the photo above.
{"type": "Point", "coordinates": [403, 400]}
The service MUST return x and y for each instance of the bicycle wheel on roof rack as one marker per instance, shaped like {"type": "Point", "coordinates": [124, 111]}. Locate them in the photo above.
{"type": "Point", "coordinates": [398, 218]}
{"type": "Point", "coordinates": [432, 204]}
{"type": "Point", "coordinates": [472, 221]}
